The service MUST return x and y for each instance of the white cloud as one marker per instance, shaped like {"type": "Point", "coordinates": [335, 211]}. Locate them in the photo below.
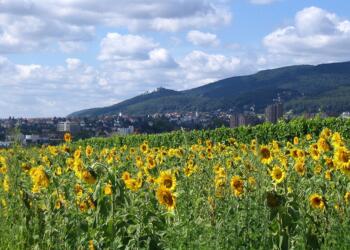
{"type": "Point", "coordinates": [200, 67]}
{"type": "Point", "coordinates": [125, 47]}
{"type": "Point", "coordinates": [201, 38]}
{"type": "Point", "coordinates": [30, 25]}
{"type": "Point", "coordinates": [73, 63]}
{"type": "Point", "coordinates": [316, 36]}
{"type": "Point", "coordinates": [41, 90]}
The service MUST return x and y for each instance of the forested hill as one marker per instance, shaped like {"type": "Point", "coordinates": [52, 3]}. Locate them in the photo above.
{"type": "Point", "coordinates": [303, 88]}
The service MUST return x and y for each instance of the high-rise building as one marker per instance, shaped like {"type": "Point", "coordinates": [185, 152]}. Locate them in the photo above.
{"type": "Point", "coordinates": [67, 126]}
{"type": "Point", "coordinates": [246, 119]}
{"type": "Point", "coordinates": [234, 121]}
{"type": "Point", "coordinates": [274, 112]}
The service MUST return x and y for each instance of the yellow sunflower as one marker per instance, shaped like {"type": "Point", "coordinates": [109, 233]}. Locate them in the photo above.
{"type": "Point", "coordinates": [266, 156]}
{"type": "Point", "coordinates": [166, 180]}
{"type": "Point", "coordinates": [237, 185]}
{"type": "Point", "coordinates": [300, 168]}
{"type": "Point", "coordinates": [151, 162]}
{"type": "Point", "coordinates": [67, 137]}
{"type": "Point", "coordinates": [144, 147]}
{"type": "Point", "coordinates": [347, 197]}
{"type": "Point", "coordinates": [89, 150]}
{"type": "Point", "coordinates": [277, 174]}
{"type": "Point", "coordinates": [295, 140]}
{"type": "Point", "coordinates": [316, 201]}
{"type": "Point", "coordinates": [323, 145]}
{"type": "Point", "coordinates": [166, 198]}
{"type": "Point", "coordinates": [89, 177]}
{"type": "Point", "coordinates": [108, 189]}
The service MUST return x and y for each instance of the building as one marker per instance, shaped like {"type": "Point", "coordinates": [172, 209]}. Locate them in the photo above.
{"type": "Point", "coordinates": [126, 131]}
{"type": "Point", "coordinates": [234, 121]}
{"type": "Point", "coordinates": [68, 126]}
{"type": "Point", "coordinates": [245, 119]}
{"type": "Point", "coordinates": [274, 112]}
{"type": "Point", "coordinates": [345, 115]}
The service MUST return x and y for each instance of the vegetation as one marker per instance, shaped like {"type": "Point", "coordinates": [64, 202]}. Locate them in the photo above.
{"type": "Point", "coordinates": [264, 133]}
{"type": "Point", "coordinates": [224, 189]}
{"type": "Point", "coordinates": [302, 88]}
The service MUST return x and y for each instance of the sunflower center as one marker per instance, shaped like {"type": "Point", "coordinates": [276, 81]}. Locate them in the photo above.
{"type": "Point", "coordinates": [168, 199]}
{"type": "Point", "coordinates": [265, 153]}
{"type": "Point", "coordinates": [168, 183]}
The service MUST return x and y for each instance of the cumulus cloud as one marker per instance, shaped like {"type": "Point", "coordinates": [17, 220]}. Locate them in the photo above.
{"type": "Point", "coordinates": [122, 74]}
{"type": "Point", "coordinates": [37, 90]}
{"type": "Point", "coordinates": [316, 36]}
{"type": "Point", "coordinates": [201, 38]}
{"type": "Point", "coordinates": [200, 67]}
{"type": "Point", "coordinates": [125, 47]}
{"type": "Point", "coordinates": [29, 25]}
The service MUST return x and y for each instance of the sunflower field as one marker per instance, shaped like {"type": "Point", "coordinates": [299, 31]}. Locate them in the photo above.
{"type": "Point", "coordinates": [203, 194]}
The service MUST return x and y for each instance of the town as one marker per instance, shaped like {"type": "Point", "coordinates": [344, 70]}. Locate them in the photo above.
{"type": "Point", "coordinates": [39, 131]}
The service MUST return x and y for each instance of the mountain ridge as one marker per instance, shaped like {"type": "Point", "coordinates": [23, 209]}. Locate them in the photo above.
{"type": "Point", "coordinates": [303, 88]}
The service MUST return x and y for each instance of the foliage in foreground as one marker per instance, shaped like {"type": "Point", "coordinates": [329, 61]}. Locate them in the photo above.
{"type": "Point", "coordinates": [224, 195]}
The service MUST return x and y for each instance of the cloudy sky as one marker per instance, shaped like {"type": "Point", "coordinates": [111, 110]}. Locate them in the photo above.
{"type": "Point", "coordinates": [60, 56]}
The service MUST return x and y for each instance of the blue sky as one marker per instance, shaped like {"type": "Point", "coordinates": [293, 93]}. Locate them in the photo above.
{"type": "Point", "coordinates": [57, 57]}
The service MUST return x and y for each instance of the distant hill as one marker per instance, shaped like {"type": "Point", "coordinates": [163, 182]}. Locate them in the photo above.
{"type": "Point", "coordinates": [303, 88]}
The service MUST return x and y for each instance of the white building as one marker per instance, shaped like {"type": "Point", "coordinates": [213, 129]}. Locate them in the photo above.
{"type": "Point", "coordinates": [345, 115]}
{"type": "Point", "coordinates": [126, 131]}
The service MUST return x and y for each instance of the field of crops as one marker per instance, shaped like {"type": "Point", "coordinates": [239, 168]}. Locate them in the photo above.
{"type": "Point", "coordinates": [213, 193]}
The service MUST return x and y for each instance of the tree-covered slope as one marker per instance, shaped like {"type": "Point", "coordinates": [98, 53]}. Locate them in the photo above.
{"type": "Point", "coordinates": [302, 88]}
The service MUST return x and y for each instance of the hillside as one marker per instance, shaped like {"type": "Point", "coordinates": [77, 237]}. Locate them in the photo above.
{"type": "Point", "coordinates": [302, 88]}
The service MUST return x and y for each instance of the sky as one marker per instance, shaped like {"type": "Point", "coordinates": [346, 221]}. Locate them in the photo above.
{"type": "Point", "coordinates": [57, 57]}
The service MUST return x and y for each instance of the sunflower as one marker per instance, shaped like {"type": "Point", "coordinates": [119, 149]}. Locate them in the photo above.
{"type": "Point", "coordinates": [266, 156]}
{"type": "Point", "coordinates": [78, 190]}
{"type": "Point", "coordinates": [315, 155]}
{"type": "Point", "coordinates": [237, 185]}
{"type": "Point", "coordinates": [252, 181]}
{"type": "Point", "coordinates": [326, 133]}
{"type": "Point", "coordinates": [133, 184]}
{"type": "Point", "coordinates": [277, 174]}
{"type": "Point", "coordinates": [316, 201]}
{"type": "Point", "coordinates": [295, 140]}
{"type": "Point", "coordinates": [341, 157]}
{"type": "Point", "coordinates": [88, 151]}
{"type": "Point", "coordinates": [39, 178]}
{"type": "Point", "coordinates": [166, 180]}
{"type": "Point", "coordinates": [308, 137]}
{"type": "Point", "coordinates": [166, 198]}
{"type": "Point", "coordinates": [300, 168]}
{"type": "Point", "coordinates": [108, 189]}
{"type": "Point", "coordinates": [126, 176]}
{"type": "Point", "coordinates": [323, 145]}
{"type": "Point", "coordinates": [318, 169]}
{"type": "Point", "coordinates": [89, 177]}
{"type": "Point", "coordinates": [67, 137]}
{"type": "Point", "coordinates": [294, 153]}
{"type": "Point", "coordinates": [6, 184]}
{"type": "Point", "coordinates": [151, 163]}
{"type": "Point", "coordinates": [328, 175]}
{"type": "Point", "coordinates": [347, 197]}
{"type": "Point", "coordinates": [77, 153]}
{"type": "Point", "coordinates": [144, 147]}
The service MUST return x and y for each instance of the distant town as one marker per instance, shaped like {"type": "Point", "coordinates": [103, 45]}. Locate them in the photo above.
{"type": "Point", "coordinates": [39, 131]}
